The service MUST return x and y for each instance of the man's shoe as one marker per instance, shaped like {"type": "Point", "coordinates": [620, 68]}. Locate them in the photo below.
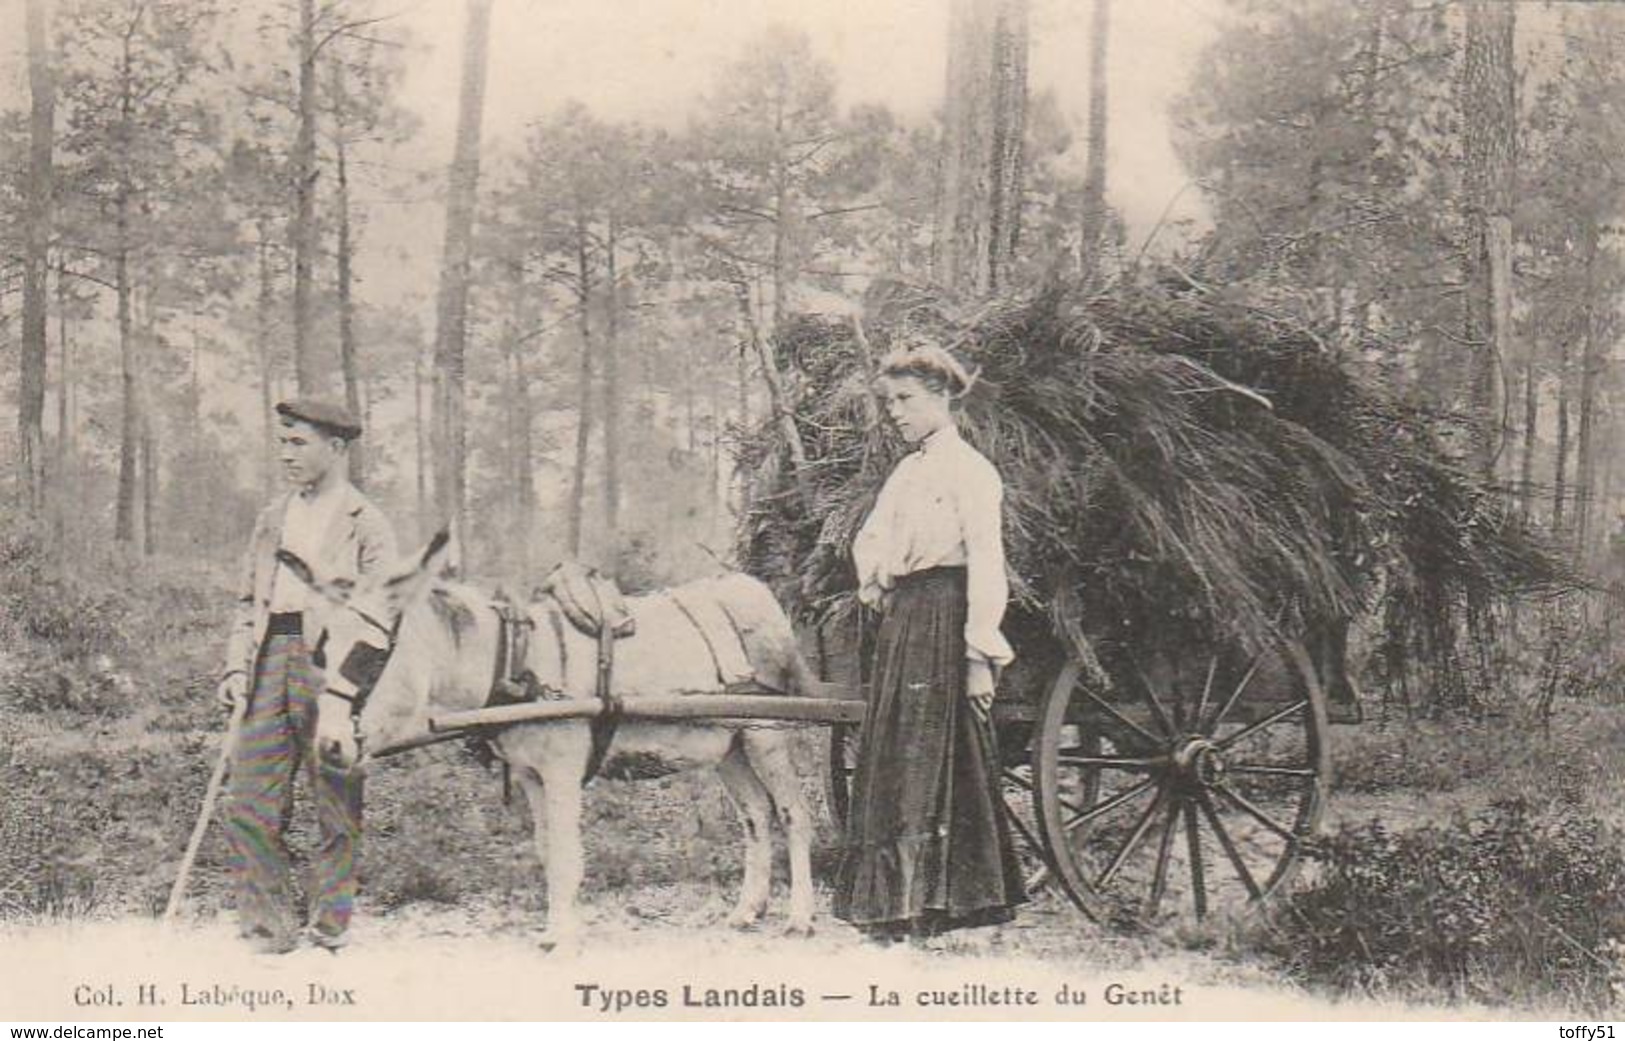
{"type": "Point", "coordinates": [334, 942]}
{"type": "Point", "coordinates": [263, 941]}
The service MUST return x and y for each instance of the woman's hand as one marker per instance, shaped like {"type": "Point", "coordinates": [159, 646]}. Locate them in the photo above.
{"type": "Point", "coordinates": [979, 686]}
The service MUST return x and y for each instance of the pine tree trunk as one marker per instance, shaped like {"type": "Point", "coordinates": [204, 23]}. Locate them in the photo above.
{"type": "Point", "coordinates": [585, 391]}
{"type": "Point", "coordinates": [978, 218]}
{"type": "Point", "coordinates": [130, 423]}
{"type": "Point", "coordinates": [1376, 37]}
{"type": "Point", "coordinates": [1531, 423]}
{"type": "Point", "coordinates": [36, 262]}
{"type": "Point", "coordinates": [149, 483]}
{"type": "Point", "coordinates": [734, 484]}
{"type": "Point", "coordinates": [146, 443]}
{"type": "Point", "coordinates": [420, 432]}
{"type": "Point", "coordinates": [689, 418]}
{"type": "Point", "coordinates": [1561, 461]}
{"type": "Point", "coordinates": [719, 488]}
{"type": "Point", "coordinates": [1489, 109]}
{"type": "Point", "coordinates": [67, 469]}
{"type": "Point", "coordinates": [612, 385]}
{"type": "Point", "coordinates": [451, 327]}
{"type": "Point", "coordinates": [524, 460]}
{"type": "Point", "coordinates": [781, 230]}
{"type": "Point", "coordinates": [1602, 524]}
{"type": "Point", "coordinates": [1091, 242]}
{"type": "Point", "coordinates": [349, 364]}
{"type": "Point", "coordinates": [520, 446]}
{"type": "Point", "coordinates": [262, 346]}
{"type": "Point", "coordinates": [307, 371]}
{"type": "Point", "coordinates": [1010, 46]}
{"type": "Point", "coordinates": [1592, 359]}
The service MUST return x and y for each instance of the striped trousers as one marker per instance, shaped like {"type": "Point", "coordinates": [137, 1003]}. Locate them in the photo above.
{"type": "Point", "coordinates": [276, 740]}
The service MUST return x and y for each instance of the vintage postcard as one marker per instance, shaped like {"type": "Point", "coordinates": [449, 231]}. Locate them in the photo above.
{"type": "Point", "coordinates": [810, 510]}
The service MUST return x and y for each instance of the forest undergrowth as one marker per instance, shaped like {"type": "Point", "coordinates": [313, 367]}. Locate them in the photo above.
{"type": "Point", "coordinates": [1465, 858]}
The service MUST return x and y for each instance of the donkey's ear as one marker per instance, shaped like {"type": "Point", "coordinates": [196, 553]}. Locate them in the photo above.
{"type": "Point", "coordinates": [443, 557]}
{"type": "Point", "coordinates": [434, 553]}
{"type": "Point", "coordinates": [417, 569]}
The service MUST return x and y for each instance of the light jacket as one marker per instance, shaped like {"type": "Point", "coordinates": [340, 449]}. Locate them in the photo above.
{"type": "Point", "coordinates": [358, 542]}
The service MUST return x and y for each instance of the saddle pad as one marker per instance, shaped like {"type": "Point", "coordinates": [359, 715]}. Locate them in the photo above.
{"type": "Point", "coordinates": [589, 600]}
{"type": "Point", "coordinates": [720, 633]}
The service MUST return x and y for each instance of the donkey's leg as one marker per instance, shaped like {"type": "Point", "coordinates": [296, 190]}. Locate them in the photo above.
{"type": "Point", "coordinates": [756, 818]}
{"type": "Point", "coordinates": [550, 766]}
{"type": "Point", "coordinates": [768, 751]}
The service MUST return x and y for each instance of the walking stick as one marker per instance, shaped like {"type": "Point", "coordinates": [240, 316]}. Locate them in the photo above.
{"type": "Point", "coordinates": [210, 794]}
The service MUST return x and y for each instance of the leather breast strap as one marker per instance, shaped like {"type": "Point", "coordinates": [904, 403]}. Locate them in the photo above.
{"type": "Point", "coordinates": [608, 720]}
{"type": "Point", "coordinates": [512, 683]}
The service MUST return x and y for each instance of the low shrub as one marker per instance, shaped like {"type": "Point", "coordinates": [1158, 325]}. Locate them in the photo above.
{"type": "Point", "coordinates": [88, 631]}
{"type": "Point", "coordinates": [1503, 906]}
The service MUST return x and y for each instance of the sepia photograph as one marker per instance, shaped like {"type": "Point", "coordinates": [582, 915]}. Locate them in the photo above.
{"type": "Point", "coordinates": [812, 510]}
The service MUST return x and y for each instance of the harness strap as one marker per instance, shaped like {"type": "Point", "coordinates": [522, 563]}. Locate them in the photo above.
{"type": "Point", "coordinates": [604, 724]}
{"type": "Point", "coordinates": [739, 634]}
{"type": "Point", "coordinates": [564, 645]}
{"type": "Point", "coordinates": [511, 682]}
{"type": "Point", "coordinates": [499, 668]}
{"type": "Point", "coordinates": [705, 637]}
{"type": "Point", "coordinates": [353, 701]}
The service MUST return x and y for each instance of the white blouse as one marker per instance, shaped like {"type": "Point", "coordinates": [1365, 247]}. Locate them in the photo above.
{"type": "Point", "coordinates": [941, 507]}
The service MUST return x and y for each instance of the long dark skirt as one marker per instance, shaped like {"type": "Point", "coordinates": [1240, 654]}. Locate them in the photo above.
{"type": "Point", "coordinates": [927, 845]}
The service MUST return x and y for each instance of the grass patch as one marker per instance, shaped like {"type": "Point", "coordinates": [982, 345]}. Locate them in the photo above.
{"type": "Point", "coordinates": [1578, 753]}
{"type": "Point", "coordinates": [1510, 905]}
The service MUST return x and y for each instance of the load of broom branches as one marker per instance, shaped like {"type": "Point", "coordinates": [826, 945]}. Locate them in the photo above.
{"type": "Point", "coordinates": [1178, 465]}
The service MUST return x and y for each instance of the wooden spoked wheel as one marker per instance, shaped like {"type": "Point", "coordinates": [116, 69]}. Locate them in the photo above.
{"type": "Point", "coordinates": [1193, 785]}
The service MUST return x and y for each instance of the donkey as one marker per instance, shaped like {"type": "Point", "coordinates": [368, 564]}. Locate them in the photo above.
{"type": "Point", "coordinates": [413, 644]}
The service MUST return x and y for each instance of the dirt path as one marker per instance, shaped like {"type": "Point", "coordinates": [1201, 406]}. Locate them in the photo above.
{"type": "Point", "coordinates": [474, 957]}
{"type": "Point", "coordinates": [446, 963]}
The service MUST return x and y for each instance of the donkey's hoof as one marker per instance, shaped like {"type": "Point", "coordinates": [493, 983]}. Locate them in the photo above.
{"type": "Point", "coordinates": [563, 944]}
{"type": "Point", "coordinates": [801, 929]}
{"type": "Point", "coordinates": [742, 920]}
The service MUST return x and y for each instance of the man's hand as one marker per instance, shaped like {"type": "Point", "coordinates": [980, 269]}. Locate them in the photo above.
{"type": "Point", "coordinates": [233, 689]}
{"type": "Point", "coordinates": [979, 686]}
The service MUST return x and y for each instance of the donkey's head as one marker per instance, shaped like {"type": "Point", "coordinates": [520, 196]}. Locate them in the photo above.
{"type": "Point", "coordinates": [361, 631]}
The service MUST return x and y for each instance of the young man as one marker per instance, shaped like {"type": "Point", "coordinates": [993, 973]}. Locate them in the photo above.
{"type": "Point", "coordinates": [334, 529]}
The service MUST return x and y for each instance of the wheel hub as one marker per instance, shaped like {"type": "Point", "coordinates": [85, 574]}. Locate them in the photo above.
{"type": "Point", "coordinates": [1199, 762]}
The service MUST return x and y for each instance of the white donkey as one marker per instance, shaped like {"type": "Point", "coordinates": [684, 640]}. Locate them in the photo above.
{"type": "Point", "coordinates": [414, 644]}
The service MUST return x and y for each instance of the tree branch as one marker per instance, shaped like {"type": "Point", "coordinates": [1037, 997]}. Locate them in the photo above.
{"type": "Point", "coordinates": [345, 29]}
{"type": "Point", "coordinates": [843, 210]}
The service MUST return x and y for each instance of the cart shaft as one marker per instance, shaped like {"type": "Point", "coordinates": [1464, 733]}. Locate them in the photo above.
{"type": "Point", "coordinates": [694, 707]}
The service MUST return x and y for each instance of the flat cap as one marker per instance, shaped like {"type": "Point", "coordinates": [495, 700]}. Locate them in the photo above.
{"type": "Point", "coordinates": [327, 416]}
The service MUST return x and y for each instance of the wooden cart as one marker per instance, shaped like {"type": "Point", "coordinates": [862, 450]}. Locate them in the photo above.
{"type": "Point", "coordinates": [1189, 781]}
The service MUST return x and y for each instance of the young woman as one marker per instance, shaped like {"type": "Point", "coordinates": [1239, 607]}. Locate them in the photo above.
{"type": "Point", "coordinates": [928, 848]}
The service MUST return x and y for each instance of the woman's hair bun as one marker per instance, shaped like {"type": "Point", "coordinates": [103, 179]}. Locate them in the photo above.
{"type": "Point", "coordinates": [930, 363]}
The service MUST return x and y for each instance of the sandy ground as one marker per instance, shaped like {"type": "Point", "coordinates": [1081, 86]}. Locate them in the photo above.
{"type": "Point", "coordinates": [655, 950]}
{"type": "Point", "coordinates": [640, 963]}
